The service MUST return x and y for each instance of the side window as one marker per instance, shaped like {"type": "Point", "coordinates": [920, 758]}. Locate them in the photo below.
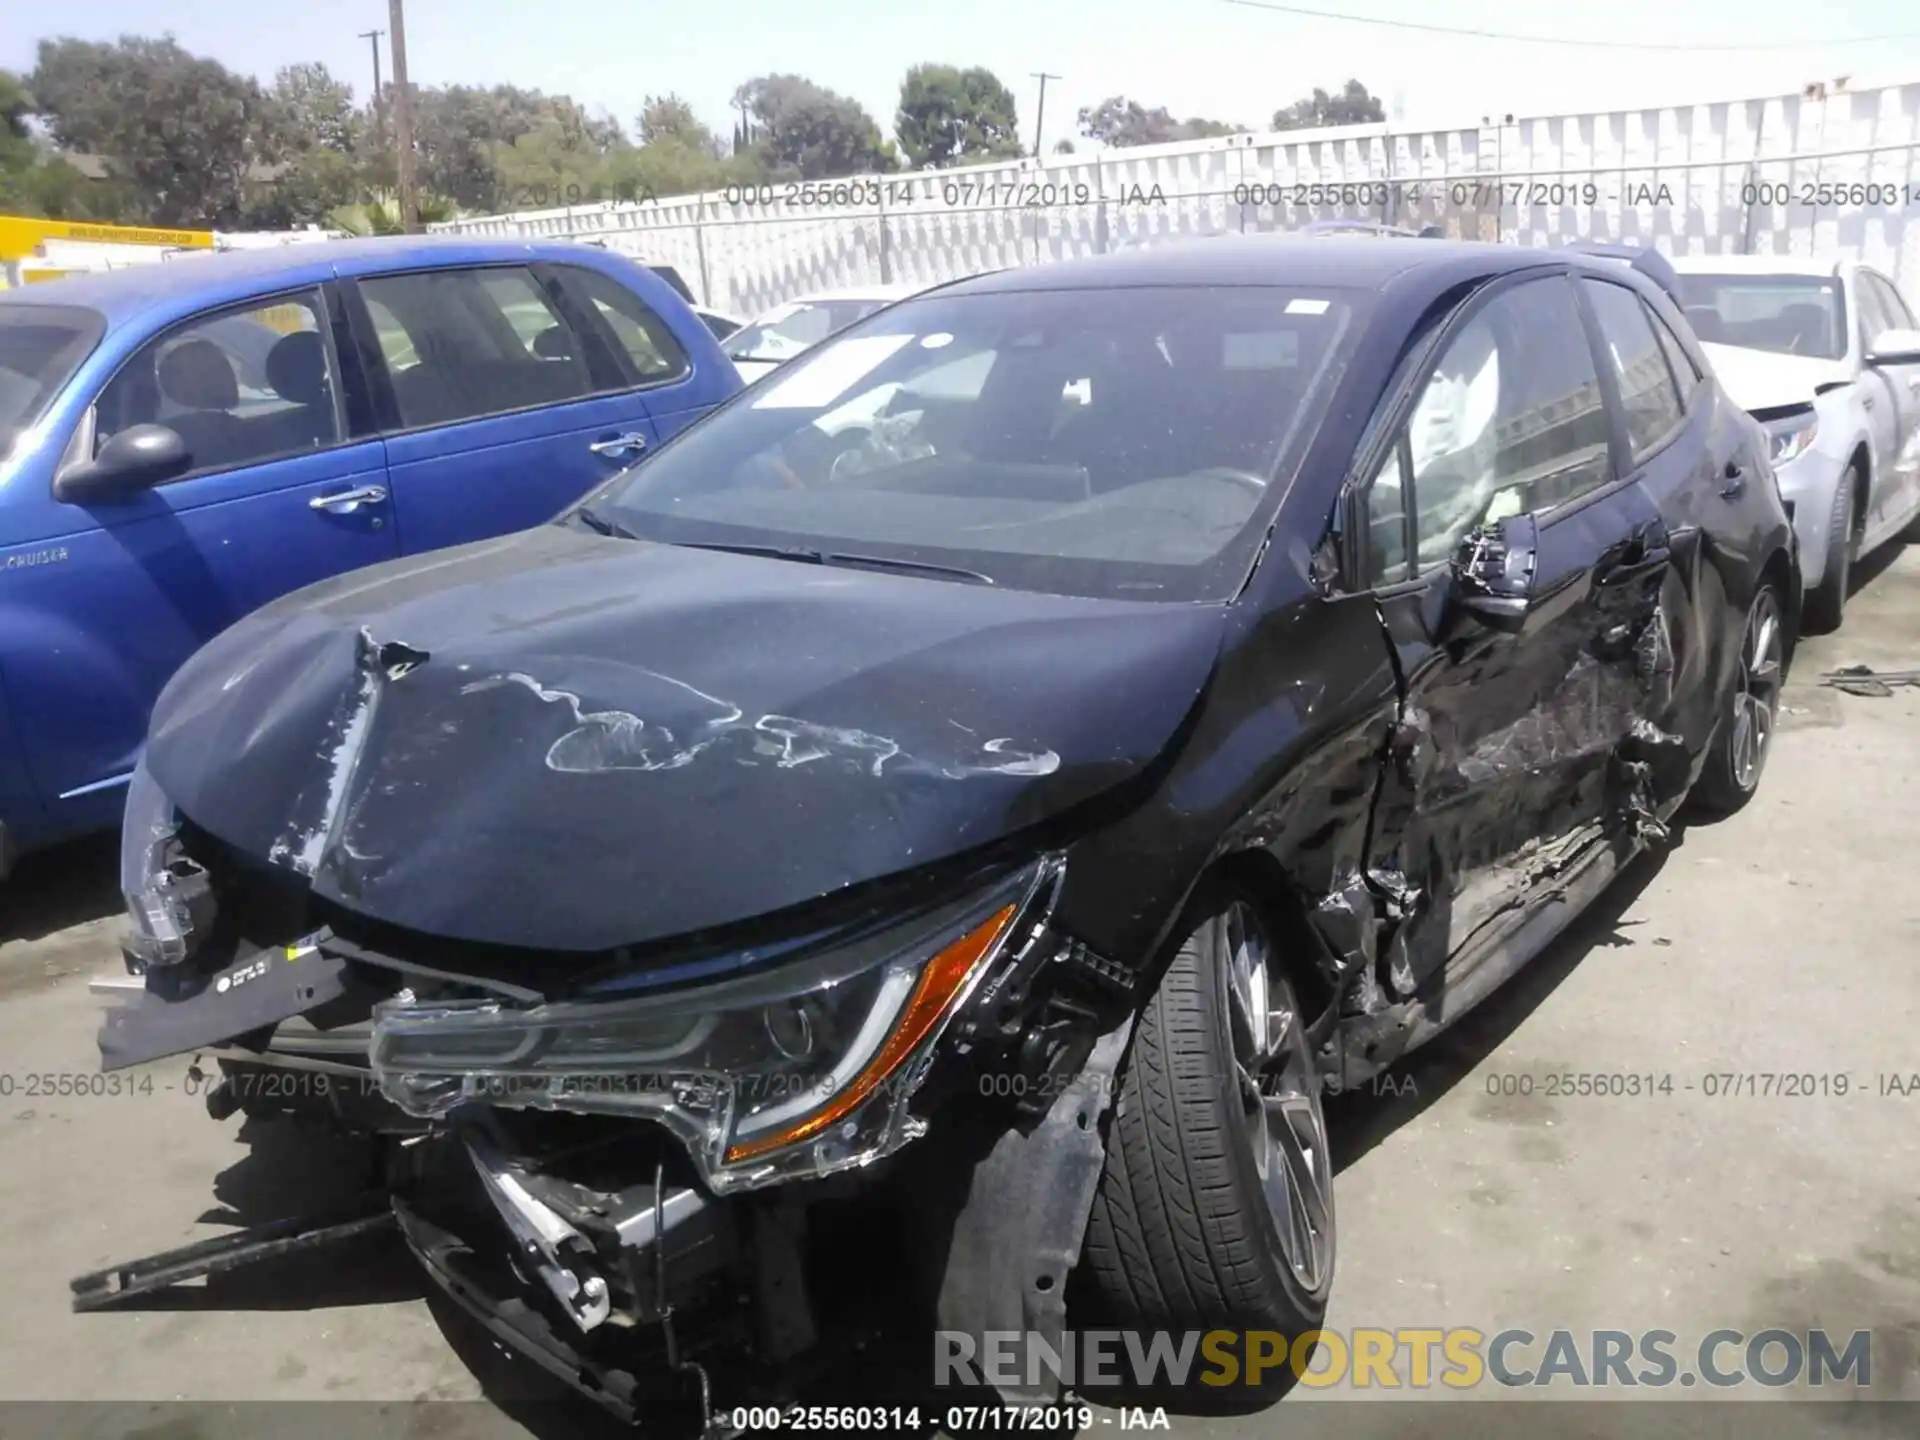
{"type": "Point", "coordinates": [1510, 420]}
{"type": "Point", "coordinates": [1874, 318]}
{"type": "Point", "coordinates": [1897, 306]}
{"type": "Point", "coordinates": [1388, 558]}
{"type": "Point", "coordinates": [656, 355]}
{"type": "Point", "coordinates": [1893, 311]}
{"type": "Point", "coordinates": [1647, 391]}
{"type": "Point", "coordinates": [246, 385]}
{"type": "Point", "coordinates": [466, 344]}
{"type": "Point", "coordinates": [1681, 363]}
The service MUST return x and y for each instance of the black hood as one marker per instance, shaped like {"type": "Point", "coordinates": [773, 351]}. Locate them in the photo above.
{"type": "Point", "coordinates": [571, 742]}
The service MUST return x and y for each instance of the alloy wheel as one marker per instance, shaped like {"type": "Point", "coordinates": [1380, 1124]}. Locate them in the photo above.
{"type": "Point", "coordinates": [1756, 692]}
{"type": "Point", "coordinates": [1284, 1125]}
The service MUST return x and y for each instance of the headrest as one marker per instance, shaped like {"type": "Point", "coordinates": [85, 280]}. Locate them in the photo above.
{"type": "Point", "coordinates": [297, 368]}
{"type": "Point", "coordinates": [197, 375]}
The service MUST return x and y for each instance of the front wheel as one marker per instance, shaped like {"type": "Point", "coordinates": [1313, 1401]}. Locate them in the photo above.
{"type": "Point", "coordinates": [1826, 603]}
{"type": "Point", "coordinates": [1744, 736]}
{"type": "Point", "coordinates": [1215, 1208]}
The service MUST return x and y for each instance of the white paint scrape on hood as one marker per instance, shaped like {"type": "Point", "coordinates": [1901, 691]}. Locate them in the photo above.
{"type": "Point", "coordinates": [1760, 379]}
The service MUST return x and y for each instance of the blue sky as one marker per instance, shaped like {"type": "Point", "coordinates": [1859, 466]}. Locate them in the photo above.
{"type": "Point", "coordinates": [1205, 57]}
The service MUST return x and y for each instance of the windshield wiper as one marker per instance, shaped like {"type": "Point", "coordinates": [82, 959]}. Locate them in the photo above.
{"type": "Point", "coordinates": [771, 552]}
{"type": "Point", "coordinates": [810, 556]}
{"type": "Point", "coordinates": [891, 562]}
{"type": "Point", "coordinates": [601, 525]}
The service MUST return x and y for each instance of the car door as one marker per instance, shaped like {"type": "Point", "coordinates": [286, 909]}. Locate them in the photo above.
{"type": "Point", "coordinates": [1504, 766]}
{"type": "Point", "coordinates": [283, 488]}
{"type": "Point", "coordinates": [1896, 488]}
{"type": "Point", "coordinates": [501, 408]}
{"type": "Point", "coordinates": [1707, 476]}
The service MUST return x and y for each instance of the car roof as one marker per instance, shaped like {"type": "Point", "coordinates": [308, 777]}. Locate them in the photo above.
{"type": "Point", "coordinates": [1274, 259]}
{"type": "Point", "coordinates": [1755, 265]}
{"type": "Point", "coordinates": [236, 274]}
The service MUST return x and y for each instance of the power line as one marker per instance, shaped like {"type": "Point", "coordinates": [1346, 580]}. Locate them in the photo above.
{"type": "Point", "coordinates": [1573, 42]}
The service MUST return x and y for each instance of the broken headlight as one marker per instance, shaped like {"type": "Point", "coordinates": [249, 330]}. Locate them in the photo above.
{"type": "Point", "coordinates": [798, 1071]}
{"type": "Point", "coordinates": [169, 899]}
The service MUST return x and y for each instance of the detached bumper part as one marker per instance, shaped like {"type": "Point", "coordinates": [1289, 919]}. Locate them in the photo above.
{"type": "Point", "coordinates": [560, 1255]}
{"type": "Point", "coordinates": [169, 897]}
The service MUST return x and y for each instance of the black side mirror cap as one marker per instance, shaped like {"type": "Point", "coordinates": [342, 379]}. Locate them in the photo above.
{"type": "Point", "coordinates": [139, 456]}
{"type": "Point", "coordinates": [1493, 572]}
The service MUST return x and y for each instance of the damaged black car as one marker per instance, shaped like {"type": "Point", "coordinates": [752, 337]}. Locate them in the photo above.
{"type": "Point", "coordinates": [1006, 768]}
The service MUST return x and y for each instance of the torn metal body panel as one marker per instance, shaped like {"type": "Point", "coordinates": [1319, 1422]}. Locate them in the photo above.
{"type": "Point", "coordinates": [660, 893]}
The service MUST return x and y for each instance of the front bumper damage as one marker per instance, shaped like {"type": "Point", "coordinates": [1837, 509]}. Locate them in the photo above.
{"type": "Point", "coordinates": [623, 1179]}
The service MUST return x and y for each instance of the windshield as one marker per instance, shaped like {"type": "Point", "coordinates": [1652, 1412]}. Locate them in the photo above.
{"type": "Point", "coordinates": [786, 330]}
{"type": "Point", "coordinates": [1090, 442]}
{"type": "Point", "coordinates": [1787, 314]}
{"type": "Point", "coordinates": [40, 348]}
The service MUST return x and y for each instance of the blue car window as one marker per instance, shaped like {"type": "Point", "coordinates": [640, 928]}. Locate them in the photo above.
{"type": "Point", "coordinates": [465, 344]}
{"type": "Point", "coordinates": [241, 387]}
{"type": "Point", "coordinates": [656, 355]}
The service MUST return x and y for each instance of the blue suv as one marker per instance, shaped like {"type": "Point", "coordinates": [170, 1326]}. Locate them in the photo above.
{"type": "Point", "coordinates": [182, 442]}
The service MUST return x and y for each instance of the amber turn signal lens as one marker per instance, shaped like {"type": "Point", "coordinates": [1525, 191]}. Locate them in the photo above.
{"type": "Point", "coordinates": [939, 983]}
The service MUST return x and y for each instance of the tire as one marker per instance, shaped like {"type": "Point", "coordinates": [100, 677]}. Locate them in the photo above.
{"type": "Point", "coordinates": [1184, 1234]}
{"type": "Point", "coordinates": [1826, 603]}
{"type": "Point", "coordinates": [1743, 738]}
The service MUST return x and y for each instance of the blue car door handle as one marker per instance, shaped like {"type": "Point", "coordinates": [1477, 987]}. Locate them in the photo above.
{"type": "Point", "coordinates": [348, 501]}
{"type": "Point", "coordinates": [631, 442]}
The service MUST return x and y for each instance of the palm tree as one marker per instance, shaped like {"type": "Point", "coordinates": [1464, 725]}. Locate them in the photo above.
{"type": "Point", "coordinates": [379, 213]}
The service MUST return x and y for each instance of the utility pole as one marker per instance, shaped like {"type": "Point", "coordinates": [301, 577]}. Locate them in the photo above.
{"type": "Point", "coordinates": [1040, 115]}
{"type": "Point", "coordinates": [402, 116]}
{"type": "Point", "coordinates": [372, 37]}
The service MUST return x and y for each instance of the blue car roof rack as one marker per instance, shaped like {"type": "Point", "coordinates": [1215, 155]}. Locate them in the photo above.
{"type": "Point", "coordinates": [1644, 258]}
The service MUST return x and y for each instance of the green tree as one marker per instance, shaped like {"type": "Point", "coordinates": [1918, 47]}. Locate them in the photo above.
{"type": "Point", "coordinates": [555, 163]}
{"type": "Point", "coordinates": [1118, 121]}
{"type": "Point", "coordinates": [456, 130]}
{"type": "Point", "coordinates": [18, 153]}
{"type": "Point", "coordinates": [181, 133]}
{"type": "Point", "coordinates": [804, 131]}
{"type": "Point", "coordinates": [950, 116]}
{"type": "Point", "coordinates": [669, 120]}
{"type": "Point", "coordinates": [1352, 106]}
{"type": "Point", "coordinates": [325, 143]}
{"type": "Point", "coordinates": [318, 110]}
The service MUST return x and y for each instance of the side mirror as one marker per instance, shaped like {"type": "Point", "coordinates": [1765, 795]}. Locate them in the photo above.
{"type": "Point", "coordinates": [1493, 572]}
{"type": "Point", "coordinates": [139, 456]}
{"type": "Point", "coordinates": [1894, 347]}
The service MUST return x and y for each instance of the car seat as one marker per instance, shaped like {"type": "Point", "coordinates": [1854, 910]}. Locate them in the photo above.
{"type": "Point", "coordinates": [196, 376]}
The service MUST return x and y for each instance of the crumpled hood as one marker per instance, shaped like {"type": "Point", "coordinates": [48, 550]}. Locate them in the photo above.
{"type": "Point", "coordinates": [1763, 379]}
{"type": "Point", "coordinates": [569, 742]}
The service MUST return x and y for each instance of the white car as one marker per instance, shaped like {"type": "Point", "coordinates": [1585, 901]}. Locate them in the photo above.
{"type": "Point", "coordinates": [1826, 355]}
{"type": "Point", "coordinates": [790, 329]}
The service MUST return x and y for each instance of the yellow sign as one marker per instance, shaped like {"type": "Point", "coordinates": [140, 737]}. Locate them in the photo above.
{"type": "Point", "coordinates": [21, 236]}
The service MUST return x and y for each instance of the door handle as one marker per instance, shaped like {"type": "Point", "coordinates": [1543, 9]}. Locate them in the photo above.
{"type": "Point", "coordinates": [1866, 402]}
{"type": "Point", "coordinates": [348, 501]}
{"type": "Point", "coordinates": [632, 441]}
{"type": "Point", "coordinates": [1735, 481]}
